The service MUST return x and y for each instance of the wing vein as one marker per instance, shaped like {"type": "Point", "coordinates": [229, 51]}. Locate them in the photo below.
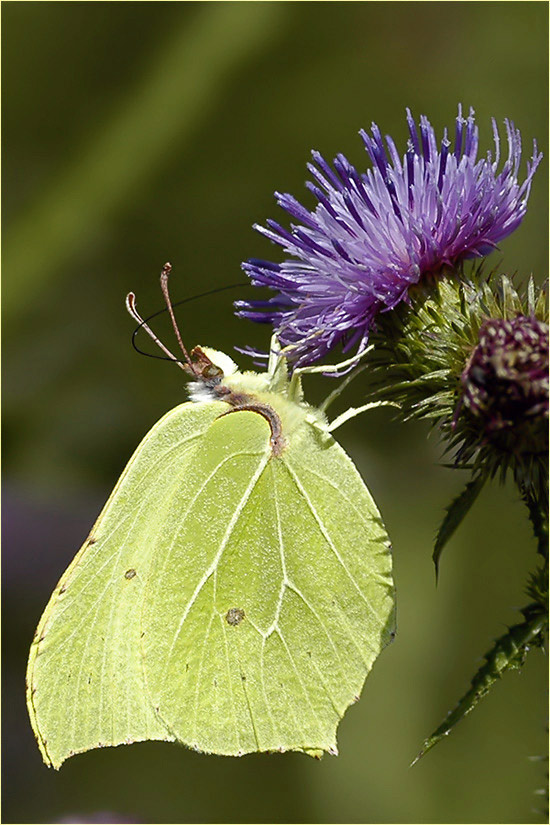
{"type": "Point", "coordinates": [323, 626]}
{"type": "Point", "coordinates": [329, 541]}
{"type": "Point", "coordinates": [275, 727]}
{"type": "Point", "coordinates": [230, 685]}
{"type": "Point", "coordinates": [213, 566]}
{"type": "Point", "coordinates": [284, 582]}
{"type": "Point", "coordinates": [199, 676]}
{"type": "Point", "coordinates": [359, 512]}
{"type": "Point", "coordinates": [304, 689]}
{"type": "Point", "coordinates": [93, 612]}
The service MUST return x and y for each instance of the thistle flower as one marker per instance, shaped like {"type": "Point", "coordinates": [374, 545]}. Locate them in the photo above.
{"type": "Point", "coordinates": [471, 355]}
{"type": "Point", "coordinates": [374, 235]}
{"type": "Point", "coordinates": [505, 382]}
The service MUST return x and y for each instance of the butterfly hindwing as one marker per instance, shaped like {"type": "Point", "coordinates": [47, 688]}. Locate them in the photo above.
{"type": "Point", "coordinates": [262, 636]}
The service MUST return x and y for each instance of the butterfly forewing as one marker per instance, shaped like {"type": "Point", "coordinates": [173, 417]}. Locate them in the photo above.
{"type": "Point", "coordinates": [85, 676]}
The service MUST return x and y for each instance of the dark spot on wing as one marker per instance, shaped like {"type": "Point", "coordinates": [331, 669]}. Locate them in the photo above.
{"type": "Point", "coordinates": [130, 573]}
{"type": "Point", "coordinates": [234, 616]}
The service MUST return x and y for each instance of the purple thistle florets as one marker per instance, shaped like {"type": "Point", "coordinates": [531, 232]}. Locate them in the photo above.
{"type": "Point", "coordinates": [374, 235]}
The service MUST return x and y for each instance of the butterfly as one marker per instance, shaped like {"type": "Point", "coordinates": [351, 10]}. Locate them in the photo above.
{"type": "Point", "coordinates": [235, 590]}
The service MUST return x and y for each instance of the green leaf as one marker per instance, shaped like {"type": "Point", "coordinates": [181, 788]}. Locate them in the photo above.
{"type": "Point", "coordinates": [507, 653]}
{"type": "Point", "coordinates": [454, 515]}
{"type": "Point", "coordinates": [231, 597]}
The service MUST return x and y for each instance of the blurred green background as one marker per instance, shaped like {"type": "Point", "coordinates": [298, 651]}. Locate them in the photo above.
{"type": "Point", "coordinates": [136, 133]}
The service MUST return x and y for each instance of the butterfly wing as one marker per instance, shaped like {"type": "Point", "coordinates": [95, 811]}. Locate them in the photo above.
{"type": "Point", "coordinates": [85, 682]}
{"type": "Point", "coordinates": [338, 611]}
{"type": "Point", "coordinates": [227, 598]}
{"type": "Point", "coordinates": [272, 595]}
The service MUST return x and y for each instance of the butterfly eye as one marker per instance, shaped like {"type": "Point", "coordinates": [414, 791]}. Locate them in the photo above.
{"type": "Point", "coordinates": [212, 371]}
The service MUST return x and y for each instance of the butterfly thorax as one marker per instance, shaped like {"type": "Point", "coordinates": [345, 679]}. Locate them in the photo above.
{"type": "Point", "coordinates": [264, 393]}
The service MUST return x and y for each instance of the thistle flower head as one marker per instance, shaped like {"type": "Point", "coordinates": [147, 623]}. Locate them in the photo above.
{"type": "Point", "coordinates": [472, 357]}
{"type": "Point", "coordinates": [505, 382]}
{"type": "Point", "coordinates": [373, 235]}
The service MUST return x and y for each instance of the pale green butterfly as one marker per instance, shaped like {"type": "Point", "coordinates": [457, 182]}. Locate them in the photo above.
{"type": "Point", "coordinates": [236, 588]}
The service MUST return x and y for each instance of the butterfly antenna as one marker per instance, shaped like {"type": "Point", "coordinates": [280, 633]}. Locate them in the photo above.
{"type": "Point", "coordinates": [131, 307]}
{"type": "Point", "coordinates": [164, 275]}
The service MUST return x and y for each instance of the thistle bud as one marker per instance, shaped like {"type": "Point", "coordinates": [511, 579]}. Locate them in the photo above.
{"type": "Point", "coordinates": [505, 382]}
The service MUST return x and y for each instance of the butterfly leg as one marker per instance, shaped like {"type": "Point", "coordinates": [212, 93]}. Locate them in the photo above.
{"type": "Point", "coordinates": [326, 369]}
{"type": "Point", "coordinates": [353, 411]}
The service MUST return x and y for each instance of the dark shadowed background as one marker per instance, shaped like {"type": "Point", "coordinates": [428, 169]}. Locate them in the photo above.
{"type": "Point", "coordinates": [136, 133]}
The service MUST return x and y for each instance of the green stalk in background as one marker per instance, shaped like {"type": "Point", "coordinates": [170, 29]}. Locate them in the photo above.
{"type": "Point", "coordinates": [176, 91]}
